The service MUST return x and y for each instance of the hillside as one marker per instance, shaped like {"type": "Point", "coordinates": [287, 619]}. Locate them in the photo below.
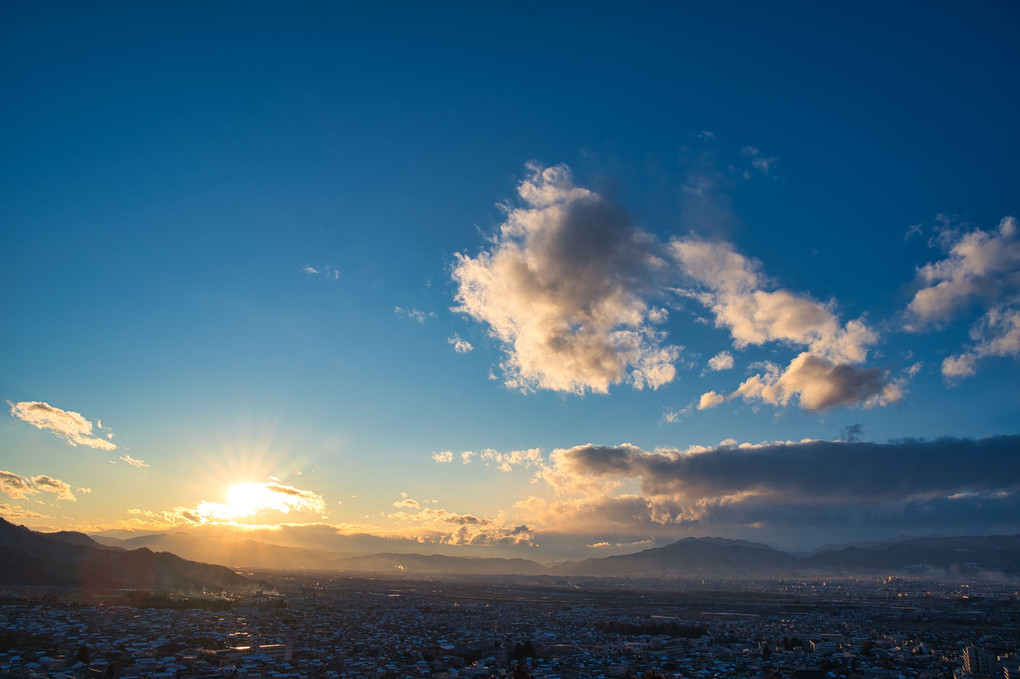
{"type": "Point", "coordinates": [65, 559]}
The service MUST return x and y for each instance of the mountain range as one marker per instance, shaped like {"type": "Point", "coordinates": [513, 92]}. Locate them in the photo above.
{"type": "Point", "coordinates": [69, 559]}
{"type": "Point", "coordinates": [687, 558]}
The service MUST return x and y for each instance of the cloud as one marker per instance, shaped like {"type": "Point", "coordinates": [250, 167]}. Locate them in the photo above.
{"type": "Point", "coordinates": [566, 288]}
{"type": "Point", "coordinates": [721, 361]}
{"type": "Point", "coordinates": [10, 511]}
{"type": "Point", "coordinates": [132, 461]}
{"type": "Point", "coordinates": [731, 287]}
{"type": "Point", "coordinates": [14, 486]}
{"type": "Point", "coordinates": [69, 425]}
{"type": "Point", "coordinates": [759, 162]}
{"type": "Point", "coordinates": [981, 266]}
{"type": "Point", "coordinates": [710, 399]}
{"type": "Point", "coordinates": [443, 457]}
{"type": "Point", "coordinates": [505, 462]}
{"type": "Point", "coordinates": [673, 416]}
{"type": "Point", "coordinates": [466, 529]}
{"type": "Point", "coordinates": [460, 345]}
{"type": "Point", "coordinates": [328, 272]}
{"type": "Point", "coordinates": [416, 315]}
{"type": "Point", "coordinates": [997, 333]}
{"type": "Point", "coordinates": [18, 488]}
{"type": "Point", "coordinates": [48, 484]}
{"type": "Point", "coordinates": [778, 485]}
{"type": "Point", "coordinates": [246, 500]}
{"type": "Point", "coordinates": [406, 503]}
{"type": "Point", "coordinates": [818, 384]}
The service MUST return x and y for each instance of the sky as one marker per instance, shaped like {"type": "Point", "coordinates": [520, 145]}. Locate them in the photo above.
{"type": "Point", "coordinates": [549, 281]}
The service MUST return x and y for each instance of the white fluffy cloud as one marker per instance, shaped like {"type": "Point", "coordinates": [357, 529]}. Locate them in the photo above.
{"type": "Point", "coordinates": [997, 333]}
{"type": "Point", "coordinates": [818, 384]}
{"type": "Point", "coordinates": [416, 315]}
{"type": "Point", "coordinates": [568, 284]}
{"type": "Point", "coordinates": [67, 424]}
{"type": "Point", "coordinates": [721, 361]}
{"type": "Point", "coordinates": [565, 286]}
{"type": "Point", "coordinates": [443, 457]}
{"type": "Point", "coordinates": [710, 399]}
{"type": "Point", "coordinates": [981, 266]}
{"type": "Point", "coordinates": [731, 287]}
{"type": "Point", "coordinates": [133, 461]}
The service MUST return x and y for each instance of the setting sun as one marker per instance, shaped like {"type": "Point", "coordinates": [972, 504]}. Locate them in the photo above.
{"type": "Point", "coordinates": [247, 498]}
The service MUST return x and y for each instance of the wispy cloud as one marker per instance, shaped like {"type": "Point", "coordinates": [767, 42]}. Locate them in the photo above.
{"type": "Point", "coordinates": [980, 267]}
{"type": "Point", "coordinates": [460, 345]}
{"type": "Point", "coordinates": [758, 161]}
{"type": "Point", "coordinates": [416, 315]}
{"type": "Point", "coordinates": [48, 484]}
{"type": "Point", "coordinates": [997, 333]}
{"type": "Point", "coordinates": [327, 272]}
{"type": "Point", "coordinates": [10, 511]}
{"type": "Point", "coordinates": [67, 424]}
{"type": "Point", "coordinates": [132, 461]}
{"type": "Point", "coordinates": [566, 287]}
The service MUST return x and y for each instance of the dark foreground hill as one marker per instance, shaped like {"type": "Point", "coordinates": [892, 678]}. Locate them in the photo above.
{"type": "Point", "coordinates": [74, 560]}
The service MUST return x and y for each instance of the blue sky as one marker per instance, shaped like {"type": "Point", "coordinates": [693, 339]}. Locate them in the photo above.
{"type": "Point", "coordinates": [328, 251]}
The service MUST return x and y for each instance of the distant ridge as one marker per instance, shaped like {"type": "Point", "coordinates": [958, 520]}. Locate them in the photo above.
{"type": "Point", "coordinates": [690, 557]}
{"type": "Point", "coordinates": [705, 557]}
{"type": "Point", "coordinates": [69, 559]}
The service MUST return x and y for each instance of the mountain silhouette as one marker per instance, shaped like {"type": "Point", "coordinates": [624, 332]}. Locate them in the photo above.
{"type": "Point", "coordinates": [69, 559]}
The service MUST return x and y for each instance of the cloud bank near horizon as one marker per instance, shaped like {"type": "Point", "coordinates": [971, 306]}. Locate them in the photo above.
{"type": "Point", "coordinates": [780, 488]}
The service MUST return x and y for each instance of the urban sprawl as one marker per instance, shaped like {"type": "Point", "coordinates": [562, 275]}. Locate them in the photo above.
{"type": "Point", "coordinates": [345, 627]}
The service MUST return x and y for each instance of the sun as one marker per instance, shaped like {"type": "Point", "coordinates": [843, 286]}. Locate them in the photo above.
{"type": "Point", "coordinates": [246, 499]}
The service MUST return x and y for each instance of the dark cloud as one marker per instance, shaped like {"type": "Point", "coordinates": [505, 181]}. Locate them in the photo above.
{"type": "Point", "coordinates": [816, 470]}
{"type": "Point", "coordinates": [799, 494]}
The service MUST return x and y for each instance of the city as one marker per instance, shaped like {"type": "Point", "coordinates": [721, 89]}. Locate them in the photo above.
{"type": "Point", "coordinates": [345, 626]}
